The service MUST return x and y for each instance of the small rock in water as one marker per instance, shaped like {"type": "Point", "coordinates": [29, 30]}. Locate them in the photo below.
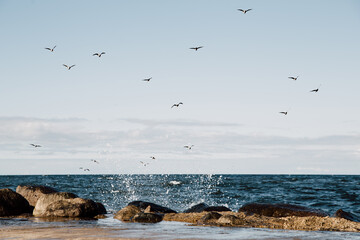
{"type": "Point", "coordinates": [147, 218]}
{"type": "Point", "coordinates": [197, 208]}
{"type": "Point", "coordinates": [127, 213]}
{"type": "Point", "coordinates": [280, 210]}
{"type": "Point", "coordinates": [217, 209]}
{"type": "Point", "coordinates": [347, 215]}
{"type": "Point", "coordinates": [12, 203]}
{"type": "Point", "coordinates": [154, 207]}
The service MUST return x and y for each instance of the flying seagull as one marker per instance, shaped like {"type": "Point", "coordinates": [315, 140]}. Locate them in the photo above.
{"type": "Point", "coordinates": [188, 147]}
{"type": "Point", "coordinates": [35, 145]}
{"type": "Point", "coordinates": [93, 160]}
{"type": "Point", "coordinates": [315, 90]}
{"type": "Point", "coordinates": [196, 48]}
{"type": "Point", "coordinates": [285, 113]}
{"type": "Point", "coordinates": [147, 79]}
{"type": "Point", "coordinates": [152, 157]}
{"type": "Point", "coordinates": [144, 164]}
{"type": "Point", "coordinates": [86, 169]}
{"type": "Point", "coordinates": [176, 104]}
{"type": "Point", "coordinates": [51, 49]}
{"type": "Point", "coordinates": [68, 67]}
{"type": "Point", "coordinates": [294, 78]}
{"type": "Point", "coordinates": [98, 54]}
{"type": "Point", "coordinates": [244, 11]}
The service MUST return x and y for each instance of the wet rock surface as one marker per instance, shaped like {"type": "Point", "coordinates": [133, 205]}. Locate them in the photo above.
{"type": "Point", "coordinates": [155, 208]}
{"type": "Point", "coordinates": [33, 192]}
{"type": "Point", "coordinates": [12, 203]}
{"type": "Point", "coordinates": [347, 215]}
{"type": "Point", "coordinates": [280, 210]}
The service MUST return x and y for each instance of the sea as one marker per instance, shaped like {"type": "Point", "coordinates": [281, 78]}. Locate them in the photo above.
{"type": "Point", "coordinates": [179, 192]}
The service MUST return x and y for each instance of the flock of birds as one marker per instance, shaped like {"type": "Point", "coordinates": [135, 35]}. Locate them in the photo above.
{"type": "Point", "coordinates": [189, 147]}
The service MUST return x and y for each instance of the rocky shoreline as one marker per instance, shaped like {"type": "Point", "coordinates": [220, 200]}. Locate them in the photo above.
{"type": "Point", "coordinates": [47, 203]}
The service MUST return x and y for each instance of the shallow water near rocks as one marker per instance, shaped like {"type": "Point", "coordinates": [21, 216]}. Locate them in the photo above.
{"type": "Point", "coordinates": [179, 192]}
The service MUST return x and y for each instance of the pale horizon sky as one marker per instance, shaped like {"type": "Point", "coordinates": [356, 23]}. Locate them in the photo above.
{"type": "Point", "coordinates": [232, 89]}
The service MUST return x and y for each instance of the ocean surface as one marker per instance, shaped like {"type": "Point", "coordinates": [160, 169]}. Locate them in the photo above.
{"type": "Point", "coordinates": [179, 192]}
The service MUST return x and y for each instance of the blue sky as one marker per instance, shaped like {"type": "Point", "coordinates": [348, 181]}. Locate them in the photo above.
{"type": "Point", "coordinates": [232, 89]}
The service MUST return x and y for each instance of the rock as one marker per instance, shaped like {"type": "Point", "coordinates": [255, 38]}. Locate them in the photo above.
{"type": "Point", "coordinates": [197, 208]}
{"type": "Point", "coordinates": [209, 218]}
{"type": "Point", "coordinates": [33, 193]}
{"type": "Point", "coordinates": [12, 203]}
{"type": "Point", "coordinates": [73, 208]}
{"type": "Point", "coordinates": [147, 217]}
{"type": "Point", "coordinates": [230, 220]}
{"type": "Point", "coordinates": [280, 210]}
{"type": "Point", "coordinates": [217, 209]}
{"type": "Point", "coordinates": [154, 207]}
{"type": "Point", "coordinates": [347, 215]}
{"type": "Point", "coordinates": [127, 213]}
{"type": "Point", "coordinates": [45, 200]}
{"type": "Point", "coordinates": [101, 208]}
{"type": "Point", "coordinates": [184, 217]}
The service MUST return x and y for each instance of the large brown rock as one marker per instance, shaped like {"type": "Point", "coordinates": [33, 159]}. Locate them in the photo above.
{"type": "Point", "coordinates": [12, 203]}
{"type": "Point", "coordinates": [47, 199]}
{"type": "Point", "coordinates": [127, 213]}
{"type": "Point", "coordinates": [147, 217]}
{"type": "Point", "coordinates": [33, 193]}
{"type": "Point", "coordinates": [280, 210]}
{"type": "Point", "coordinates": [155, 208]}
{"type": "Point", "coordinates": [73, 208]}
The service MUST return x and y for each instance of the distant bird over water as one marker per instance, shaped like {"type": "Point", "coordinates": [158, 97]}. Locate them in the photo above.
{"type": "Point", "coordinates": [98, 54]}
{"type": "Point", "coordinates": [285, 113]}
{"type": "Point", "coordinates": [51, 49]}
{"type": "Point", "coordinates": [144, 163]}
{"type": "Point", "coordinates": [176, 104]}
{"type": "Point", "coordinates": [68, 67]}
{"type": "Point", "coordinates": [244, 11]}
{"type": "Point", "coordinates": [35, 145]}
{"type": "Point", "coordinates": [315, 90]}
{"type": "Point", "coordinates": [196, 48]}
{"type": "Point", "coordinates": [294, 78]}
{"type": "Point", "coordinates": [188, 147]}
{"type": "Point", "coordinates": [95, 161]}
{"type": "Point", "coordinates": [147, 79]}
{"type": "Point", "coordinates": [152, 157]}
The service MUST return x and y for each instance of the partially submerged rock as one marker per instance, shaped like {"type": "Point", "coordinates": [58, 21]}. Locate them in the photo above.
{"type": "Point", "coordinates": [280, 210]}
{"type": "Point", "coordinates": [155, 208]}
{"type": "Point", "coordinates": [127, 213]}
{"type": "Point", "coordinates": [12, 203]}
{"type": "Point", "coordinates": [347, 215]}
{"type": "Point", "coordinates": [142, 217]}
{"type": "Point", "coordinates": [33, 192]}
{"type": "Point", "coordinates": [203, 207]}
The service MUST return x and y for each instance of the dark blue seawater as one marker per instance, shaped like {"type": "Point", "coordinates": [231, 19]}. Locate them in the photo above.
{"type": "Point", "coordinates": [179, 192]}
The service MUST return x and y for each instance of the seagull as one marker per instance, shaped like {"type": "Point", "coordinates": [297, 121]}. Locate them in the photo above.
{"type": "Point", "coordinates": [86, 169]}
{"type": "Point", "coordinates": [244, 11]}
{"type": "Point", "coordinates": [315, 90]}
{"type": "Point", "coordinates": [68, 66]}
{"type": "Point", "coordinates": [51, 49]}
{"type": "Point", "coordinates": [35, 145]}
{"type": "Point", "coordinates": [147, 79]}
{"type": "Point", "coordinates": [93, 160]}
{"type": "Point", "coordinates": [152, 157]}
{"type": "Point", "coordinates": [98, 54]}
{"type": "Point", "coordinates": [294, 78]}
{"type": "Point", "coordinates": [188, 147]}
{"type": "Point", "coordinates": [144, 164]}
{"type": "Point", "coordinates": [196, 48]}
{"type": "Point", "coordinates": [176, 104]}
{"type": "Point", "coordinates": [285, 113]}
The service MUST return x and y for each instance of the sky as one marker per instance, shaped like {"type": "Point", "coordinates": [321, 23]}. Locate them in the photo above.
{"type": "Point", "coordinates": [232, 89]}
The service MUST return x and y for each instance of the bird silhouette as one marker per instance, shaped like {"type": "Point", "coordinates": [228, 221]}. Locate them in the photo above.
{"type": "Point", "coordinates": [95, 161]}
{"type": "Point", "coordinates": [144, 163]}
{"type": "Point", "coordinates": [152, 157]}
{"type": "Point", "coordinates": [244, 11]}
{"type": "Point", "coordinates": [147, 79]}
{"type": "Point", "coordinates": [68, 67]}
{"type": "Point", "coordinates": [86, 169]}
{"type": "Point", "coordinates": [51, 49]}
{"type": "Point", "coordinates": [196, 48]}
{"type": "Point", "coordinates": [294, 78]}
{"type": "Point", "coordinates": [35, 145]}
{"type": "Point", "coordinates": [315, 90]}
{"type": "Point", "coordinates": [98, 54]}
{"type": "Point", "coordinates": [285, 113]}
{"type": "Point", "coordinates": [176, 104]}
{"type": "Point", "coordinates": [188, 147]}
